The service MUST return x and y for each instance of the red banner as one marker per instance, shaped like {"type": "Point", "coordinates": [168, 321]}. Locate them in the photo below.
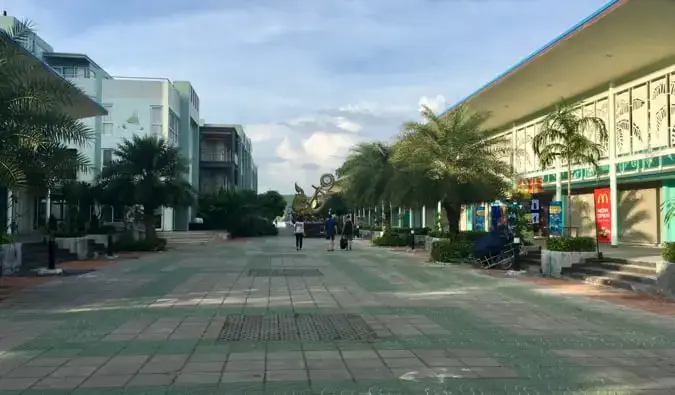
{"type": "Point", "coordinates": [603, 214]}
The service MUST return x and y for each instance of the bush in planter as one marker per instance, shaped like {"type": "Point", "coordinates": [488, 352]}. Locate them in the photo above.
{"type": "Point", "coordinates": [389, 239]}
{"type": "Point", "coordinates": [570, 244]}
{"type": "Point", "coordinates": [7, 238]}
{"type": "Point", "coordinates": [668, 252]}
{"type": "Point", "coordinates": [468, 235]}
{"type": "Point", "coordinates": [450, 250]}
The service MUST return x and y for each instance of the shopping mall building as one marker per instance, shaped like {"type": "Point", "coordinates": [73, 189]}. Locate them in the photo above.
{"type": "Point", "coordinates": [619, 65]}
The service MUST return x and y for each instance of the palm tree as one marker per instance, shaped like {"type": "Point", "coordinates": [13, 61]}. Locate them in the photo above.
{"type": "Point", "coordinates": [35, 130]}
{"type": "Point", "coordinates": [563, 136]}
{"type": "Point", "coordinates": [149, 173]}
{"type": "Point", "coordinates": [367, 175]}
{"type": "Point", "coordinates": [453, 158]}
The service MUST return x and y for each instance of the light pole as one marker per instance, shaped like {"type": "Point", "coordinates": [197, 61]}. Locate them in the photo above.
{"type": "Point", "coordinates": [412, 236]}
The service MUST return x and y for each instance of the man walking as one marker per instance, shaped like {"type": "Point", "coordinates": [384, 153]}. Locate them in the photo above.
{"type": "Point", "coordinates": [331, 230]}
{"type": "Point", "coordinates": [348, 231]}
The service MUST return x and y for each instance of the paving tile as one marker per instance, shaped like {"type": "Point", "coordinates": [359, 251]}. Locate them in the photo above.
{"type": "Point", "coordinates": [243, 377]}
{"type": "Point", "coordinates": [147, 380]}
{"type": "Point", "coordinates": [16, 383]}
{"type": "Point", "coordinates": [286, 375]}
{"type": "Point", "coordinates": [30, 371]}
{"type": "Point", "coordinates": [330, 375]}
{"type": "Point", "coordinates": [242, 365]}
{"type": "Point", "coordinates": [101, 381]}
{"type": "Point", "coordinates": [65, 383]}
{"type": "Point", "coordinates": [281, 364]}
{"type": "Point", "coordinates": [203, 367]}
{"type": "Point", "coordinates": [197, 378]}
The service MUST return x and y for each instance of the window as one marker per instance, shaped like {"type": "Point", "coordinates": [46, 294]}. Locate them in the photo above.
{"type": "Point", "coordinates": [157, 121]}
{"type": "Point", "coordinates": [108, 108]}
{"type": "Point", "coordinates": [174, 127]}
{"type": "Point", "coordinates": [108, 128]}
{"type": "Point", "coordinates": [107, 157]}
{"type": "Point", "coordinates": [69, 72]}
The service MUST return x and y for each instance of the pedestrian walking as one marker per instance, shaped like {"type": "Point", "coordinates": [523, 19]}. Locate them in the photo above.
{"type": "Point", "coordinates": [299, 230]}
{"type": "Point", "coordinates": [331, 230]}
{"type": "Point", "coordinates": [348, 231]}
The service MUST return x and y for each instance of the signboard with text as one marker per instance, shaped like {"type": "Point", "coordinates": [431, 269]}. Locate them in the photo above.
{"type": "Point", "coordinates": [555, 218]}
{"type": "Point", "coordinates": [603, 214]}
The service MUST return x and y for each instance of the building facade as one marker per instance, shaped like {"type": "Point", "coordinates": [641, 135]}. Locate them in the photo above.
{"type": "Point", "coordinates": [616, 65]}
{"type": "Point", "coordinates": [226, 159]}
{"type": "Point", "coordinates": [135, 106]}
{"type": "Point", "coordinates": [22, 211]}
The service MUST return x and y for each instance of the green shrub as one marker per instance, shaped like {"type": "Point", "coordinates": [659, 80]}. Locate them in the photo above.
{"type": "Point", "coordinates": [252, 226]}
{"type": "Point", "coordinates": [467, 235]}
{"type": "Point", "coordinates": [102, 230]}
{"type": "Point", "coordinates": [450, 250]}
{"type": "Point", "coordinates": [389, 239]}
{"type": "Point", "coordinates": [406, 230]}
{"type": "Point", "coordinates": [578, 244]}
{"type": "Point", "coordinates": [7, 238]}
{"type": "Point", "coordinates": [127, 244]}
{"type": "Point", "coordinates": [668, 251]}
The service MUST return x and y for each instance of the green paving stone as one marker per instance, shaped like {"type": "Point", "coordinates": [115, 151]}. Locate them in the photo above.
{"type": "Point", "coordinates": [284, 346]}
{"type": "Point", "coordinates": [61, 353]}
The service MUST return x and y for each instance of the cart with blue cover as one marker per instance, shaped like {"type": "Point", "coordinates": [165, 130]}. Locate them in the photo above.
{"type": "Point", "coordinates": [495, 250]}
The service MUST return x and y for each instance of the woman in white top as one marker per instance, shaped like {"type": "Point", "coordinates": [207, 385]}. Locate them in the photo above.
{"type": "Point", "coordinates": [299, 229]}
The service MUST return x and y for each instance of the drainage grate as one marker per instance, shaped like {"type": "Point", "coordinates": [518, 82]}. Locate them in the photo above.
{"type": "Point", "coordinates": [284, 273]}
{"type": "Point", "coordinates": [294, 327]}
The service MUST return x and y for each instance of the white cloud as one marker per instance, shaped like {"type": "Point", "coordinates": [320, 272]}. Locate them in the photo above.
{"type": "Point", "coordinates": [436, 104]}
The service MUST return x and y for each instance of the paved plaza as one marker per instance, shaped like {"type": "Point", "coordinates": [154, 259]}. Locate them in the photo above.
{"type": "Point", "coordinates": [257, 317]}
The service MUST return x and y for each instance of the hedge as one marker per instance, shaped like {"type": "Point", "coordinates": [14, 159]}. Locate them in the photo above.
{"type": "Point", "coordinates": [569, 244]}
{"type": "Point", "coordinates": [668, 251]}
{"type": "Point", "coordinates": [391, 240]}
{"type": "Point", "coordinates": [467, 235]}
{"type": "Point", "coordinates": [451, 250]}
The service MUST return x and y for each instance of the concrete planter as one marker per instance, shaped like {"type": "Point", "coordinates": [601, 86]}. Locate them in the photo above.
{"type": "Point", "coordinates": [75, 245]}
{"type": "Point", "coordinates": [102, 239]}
{"type": "Point", "coordinates": [429, 243]}
{"type": "Point", "coordinates": [366, 234]}
{"type": "Point", "coordinates": [665, 278]}
{"type": "Point", "coordinates": [11, 258]}
{"type": "Point", "coordinates": [552, 262]}
{"type": "Point", "coordinates": [223, 235]}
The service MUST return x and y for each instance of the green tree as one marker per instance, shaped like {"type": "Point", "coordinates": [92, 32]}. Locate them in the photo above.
{"type": "Point", "coordinates": [271, 204]}
{"type": "Point", "coordinates": [367, 176]}
{"type": "Point", "coordinates": [453, 160]}
{"type": "Point", "coordinates": [154, 175]}
{"type": "Point", "coordinates": [564, 137]}
{"type": "Point", "coordinates": [35, 128]}
{"type": "Point", "coordinates": [335, 204]}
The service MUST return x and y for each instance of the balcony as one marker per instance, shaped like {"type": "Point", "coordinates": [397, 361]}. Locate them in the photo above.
{"type": "Point", "coordinates": [217, 158]}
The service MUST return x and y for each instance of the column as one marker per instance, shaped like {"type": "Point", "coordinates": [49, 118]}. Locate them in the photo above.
{"type": "Point", "coordinates": [439, 213]}
{"type": "Point", "coordinates": [424, 216]}
{"type": "Point", "coordinates": [613, 189]}
{"type": "Point", "coordinates": [10, 207]}
{"type": "Point", "coordinates": [48, 207]}
{"type": "Point", "coordinates": [411, 221]}
{"type": "Point", "coordinates": [400, 217]}
{"type": "Point", "coordinates": [369, 217]}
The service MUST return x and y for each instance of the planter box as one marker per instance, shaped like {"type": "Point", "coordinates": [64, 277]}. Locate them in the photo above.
{"type": "Point", "coordinates": [10, 254]}
{"type": "Point", "coordinates": [665, 278]}
{"type": "Point", "coordinates": [102, 239]}
{"type": "Point", "coordinates": [366, 234]}
{"type": "Point", "coordinates": [429, 243]}
{"type": "Point", "coordinates": [552, 262]}
{"type": "Point", "coordinates": [75, 245]}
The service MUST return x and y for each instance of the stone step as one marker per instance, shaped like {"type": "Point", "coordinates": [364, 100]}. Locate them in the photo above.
{"type": "Point", "coordinates": [634, 262]}
{"type": "Point", "coordinates": [619, 275]}
{"type": "Point", "coordinates": [626, 268]}
{"type": "Point", "coordinates": [614, 282]}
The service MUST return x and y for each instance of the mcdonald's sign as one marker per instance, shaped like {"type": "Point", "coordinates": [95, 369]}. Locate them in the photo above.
{"type": "Point", "coordinates": [603, 214]}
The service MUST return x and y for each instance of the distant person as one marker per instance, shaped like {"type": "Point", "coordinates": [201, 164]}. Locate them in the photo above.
{"type": "Point", "coordinates": [331, 230]}
{"type": "Point", "coordinates": [348, 231]}
{"type": "Point", "coordinates": [299, 230]}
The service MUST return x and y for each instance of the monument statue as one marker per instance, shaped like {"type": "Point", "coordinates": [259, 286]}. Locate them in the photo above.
{"type": "Point", "coordinates": [312, 205]}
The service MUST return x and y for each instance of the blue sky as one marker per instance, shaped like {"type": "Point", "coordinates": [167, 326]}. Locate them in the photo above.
{"type": "Point", "coordinates": [307, 78]}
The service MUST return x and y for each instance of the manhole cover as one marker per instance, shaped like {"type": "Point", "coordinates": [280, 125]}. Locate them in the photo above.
{"type": "Point", "coordinates": [294, 327]}
{"type": "Point", "coordinates": [284, 273]}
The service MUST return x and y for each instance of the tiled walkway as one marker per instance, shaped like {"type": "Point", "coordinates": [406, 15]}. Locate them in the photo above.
{"type": "Point", "coordinates": [258, 317]}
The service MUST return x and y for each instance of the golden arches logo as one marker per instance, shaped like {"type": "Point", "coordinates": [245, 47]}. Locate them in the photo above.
{"type": "Point", "coordinates": [603, 198]}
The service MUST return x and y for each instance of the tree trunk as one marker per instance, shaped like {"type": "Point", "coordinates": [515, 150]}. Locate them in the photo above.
{"type": "Point", "coordinates": [569, 198]}
{"type": "Point", "coordinates": [452, 214]}
{"type": "Point", "coordinates": [149, 222]}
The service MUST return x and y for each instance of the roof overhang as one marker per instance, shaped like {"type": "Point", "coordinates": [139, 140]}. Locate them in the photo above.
{"type": "Point", "coordinates": [78, 105]}
{"type": "Point", "coordinates": [621, 39]}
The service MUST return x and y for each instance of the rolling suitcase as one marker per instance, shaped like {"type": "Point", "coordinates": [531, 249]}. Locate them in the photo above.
{"type": "Point", "coordinates": [343, 243]}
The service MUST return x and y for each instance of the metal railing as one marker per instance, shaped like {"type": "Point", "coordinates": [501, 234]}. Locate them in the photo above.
{"type": "Point", "coordinates": [214, 156]}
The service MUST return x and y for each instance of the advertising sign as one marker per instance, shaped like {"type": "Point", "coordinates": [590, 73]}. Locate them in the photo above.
{"type": "Point", "coordinates": [480, 218]}
{"type": "Point", "coordinates": [603, 214]}
{"type": "Point", "coordinates": [495, 216]}
{"type": "Point", "coordinates": [555, 218]}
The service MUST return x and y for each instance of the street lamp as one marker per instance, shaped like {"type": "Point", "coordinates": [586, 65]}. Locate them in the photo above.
{"type": "Point", "coordinates": [412, 236]}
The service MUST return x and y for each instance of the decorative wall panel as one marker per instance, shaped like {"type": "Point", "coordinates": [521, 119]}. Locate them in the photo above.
{"type": "Point", "coordinates": [623, 122]}
{"type": "Point", "coordinates": [521, 150]}
{"type": "Point", "coordinates": [658, 113]}
{"type": "Point", "coordinates": [602, 113]}
{"type": "Point", "coordinates": [530, 160]}
{"type": "Point", "coordinates": [639, 118]}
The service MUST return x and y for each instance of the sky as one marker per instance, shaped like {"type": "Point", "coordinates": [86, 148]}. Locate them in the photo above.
{"type": "Point", "coordinates": [308, 79]}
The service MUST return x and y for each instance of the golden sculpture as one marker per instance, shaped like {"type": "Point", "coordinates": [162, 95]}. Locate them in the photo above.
{"type": "Point", "coordinates": [312, 205]}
